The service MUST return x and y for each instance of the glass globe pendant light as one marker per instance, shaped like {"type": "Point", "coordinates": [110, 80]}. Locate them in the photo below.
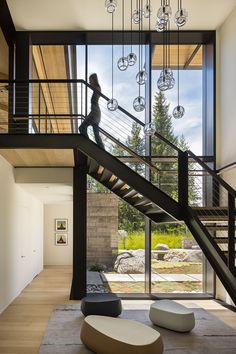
{"type": "Point", "coordinates": [111, 5]}
{"type": "Point", "coordinates": [164, 12]}
{"type": "Point", "coordinates": [181, 16]}
{"type": "Point", "coordinates": [132, 58]}
{"type": "Point", "coordinates": [112, 104]}
{"type": "Point", "coordinates": [160, 26]}
{"type": "Point", "coordinates": [139, 103]}
{"type": "Point", "coordinates": [147, 10]}
{"type": "Point", "coordinates": [141, 77]}
{"type": "Point", "coordinates": [137, 14]}
{"type": "Point", "coordinates": [149, 129]}
{"type": "Point", "coordinates": [123, 61]}
{"type": "Point", "coordinates": [178, 111]}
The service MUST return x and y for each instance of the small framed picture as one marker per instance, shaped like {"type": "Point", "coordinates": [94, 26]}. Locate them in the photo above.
{"type": "Point", "coordinates": [61, 239]}
{"type": "Point", "coordinates": [61, 224]}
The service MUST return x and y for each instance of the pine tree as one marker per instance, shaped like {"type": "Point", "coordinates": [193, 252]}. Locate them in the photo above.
{"type": "Point", "coordinates": [167, 179]}
{"type": "Point", "coordinates": [129, 217]}
{"type": "Point", "coordinates": [136, 143]}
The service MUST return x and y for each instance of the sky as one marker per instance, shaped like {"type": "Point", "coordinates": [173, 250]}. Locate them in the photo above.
{"type": "Point", "coordinates": [126, 90]}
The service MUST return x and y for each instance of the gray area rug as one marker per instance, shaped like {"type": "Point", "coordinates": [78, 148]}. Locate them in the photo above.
{"type": "Point", "coordinates": [210, 335]}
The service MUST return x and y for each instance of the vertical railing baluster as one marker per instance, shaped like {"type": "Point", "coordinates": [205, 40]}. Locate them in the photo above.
{"type": "Point", "coordinates": [231, 232]}
{"type": "Point", "coordinates": [183, 178]}
{"type": "Point", "coordinates": [39, 107]}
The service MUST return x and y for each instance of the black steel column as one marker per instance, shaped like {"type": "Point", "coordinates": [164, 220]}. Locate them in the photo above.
{"type": "Point", "coordinates": [231, 233]}
{"type": "Point", "coordinates": [183, 178]}
{"type": "Point", "coordinates": [22, 72]}
{"type": "Point", "coordinates": [148, 119]}
{"type": "Point", "coordinates": [79, 281]}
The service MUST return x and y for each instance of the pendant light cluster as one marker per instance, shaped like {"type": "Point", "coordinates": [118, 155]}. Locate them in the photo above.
{"type": "Point", "coordinates": [164, 15]}
{"type": "Point", "coordinates": [142, 11]}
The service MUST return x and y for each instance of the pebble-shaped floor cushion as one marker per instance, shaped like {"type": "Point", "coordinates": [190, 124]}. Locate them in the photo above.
{"type": "Point", "coordinates": [101, 304]}
{"type": "Point", "coordinates": [107, 335]}
{"type": "Point", "coordinates": [172, 315]}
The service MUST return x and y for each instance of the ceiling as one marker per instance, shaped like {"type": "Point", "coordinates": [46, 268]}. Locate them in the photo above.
{"type": "Point", "coordinates": [91, 15]}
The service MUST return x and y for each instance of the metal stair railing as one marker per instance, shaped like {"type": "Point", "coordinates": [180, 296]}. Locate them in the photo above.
{"type": "Point", "coordinates": [45, 107]}
{"type": "Point", "coordinates": [215, 207]}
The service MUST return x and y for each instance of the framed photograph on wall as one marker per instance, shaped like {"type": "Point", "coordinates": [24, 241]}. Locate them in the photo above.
{"type": "Point", "coordinates": [61, 239]}
{"type": "Point", "coordinates": [61, 225]}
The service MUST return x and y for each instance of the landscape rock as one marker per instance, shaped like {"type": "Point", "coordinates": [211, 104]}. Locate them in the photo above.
{"type": "Point", "coordinates": [162, 247]}
{"type": "Point", "coordinates": [132, 262]}
{"type": "Point", "coordinates": [188, 243]}
{"type": "Point", "coordinates": [186, 255]}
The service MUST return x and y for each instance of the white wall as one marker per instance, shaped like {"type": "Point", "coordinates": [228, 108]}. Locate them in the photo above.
{"type": "Point", "coordinates": [226, 91]}
{"type": "Point", "coordinates": [21, 235]}
{"type": "Point", "coordinates": [226, 108]}
{"type": "Point", "coordinates": [53, 254]}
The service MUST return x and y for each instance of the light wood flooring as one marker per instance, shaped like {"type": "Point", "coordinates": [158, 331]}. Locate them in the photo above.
{"type": "Point", "coordinates": [23, 323]}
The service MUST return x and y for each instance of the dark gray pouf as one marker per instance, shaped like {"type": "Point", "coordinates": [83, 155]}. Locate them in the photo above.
{"type": "Point", "coordinates": [101, 304]}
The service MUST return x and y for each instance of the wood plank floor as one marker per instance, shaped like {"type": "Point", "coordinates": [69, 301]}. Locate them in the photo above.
{"type": "Point", "coordinates": [23, 323]}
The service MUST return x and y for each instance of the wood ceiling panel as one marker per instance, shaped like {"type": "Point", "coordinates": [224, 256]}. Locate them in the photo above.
{"type": "Point", "coordinates": [38, 157]}
{"type": "Point", "coordinates": [185, 53]}
{"type": "Point", "coordinates": [50, 63]}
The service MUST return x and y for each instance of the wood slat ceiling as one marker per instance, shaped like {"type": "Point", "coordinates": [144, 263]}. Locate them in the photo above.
{"type": "Point", "coordinates": [50, 63]}
{"type": "Point", "coordinates": [38, 157]}
{"type": "Point", "coordinates": [3, 104]}
{"type": "Point", "coordinates": [185, 51]}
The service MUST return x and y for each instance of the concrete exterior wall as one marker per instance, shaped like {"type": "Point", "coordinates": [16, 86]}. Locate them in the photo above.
{"type": "Point", "coordinates": [102, 229]}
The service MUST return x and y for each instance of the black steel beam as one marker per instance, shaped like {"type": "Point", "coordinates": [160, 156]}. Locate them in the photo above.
{"type": "Point", "coordinates": [104, 37]}
{"type": "Point", "coordinates": [79, 280]}
{"type": "Point", "coordinates": [6, 23]}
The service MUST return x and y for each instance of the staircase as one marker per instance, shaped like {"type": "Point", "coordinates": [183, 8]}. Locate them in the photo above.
{"type": "Point", "coordinates": [159, 207]}
{"type": "Point", "coordinates": [211, 219]}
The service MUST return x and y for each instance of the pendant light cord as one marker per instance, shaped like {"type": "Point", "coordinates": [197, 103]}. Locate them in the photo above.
{"type": "Point", "coordinates": [112, 52]}
{"type": "Point", "coordinates": [123, 26]}
{"type": "Point", "coordinates": [139, 26]}
{"type": "Point", "coordinates": [141, 9]}
{"type": "Point", "coordinates": [131, 26]}
{"type": "Point", "coordinates": [178, 66]}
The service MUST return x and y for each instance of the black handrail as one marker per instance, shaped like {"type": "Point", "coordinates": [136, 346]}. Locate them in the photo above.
{"type": "Point", "coordinates": [213, 174]}
{"type": "Point", "coordinates": [37, 81]}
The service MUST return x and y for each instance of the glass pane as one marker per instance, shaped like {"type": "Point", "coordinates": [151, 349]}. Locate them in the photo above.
{"type": "Point", "coordinates": [177, 260]}
{"type": "Point", "coordinates": [115, 247]}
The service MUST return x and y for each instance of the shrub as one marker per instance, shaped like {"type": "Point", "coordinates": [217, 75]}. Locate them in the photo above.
{"type": "Point", "coordinates": [136, 240]}
{"type": "Point", "coordinates": [97, 267]}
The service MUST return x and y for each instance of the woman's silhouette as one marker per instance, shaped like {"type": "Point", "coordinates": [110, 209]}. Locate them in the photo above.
{"type": "Point", "coordinates": [94, 116]}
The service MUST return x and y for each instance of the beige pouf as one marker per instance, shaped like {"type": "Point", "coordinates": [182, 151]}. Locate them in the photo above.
{"type": "Point", "coordinates": [107, 335]}
{"type": "Point", "coordinates": [172, 315]}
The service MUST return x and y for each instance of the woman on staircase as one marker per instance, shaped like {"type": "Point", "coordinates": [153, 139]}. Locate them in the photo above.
{"type": "Point", "coordinates": [94, 116]}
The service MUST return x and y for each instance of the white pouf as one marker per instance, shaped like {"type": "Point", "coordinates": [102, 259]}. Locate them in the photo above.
{"type": "Point", "coordinates": [108, 335]}
{"type": "Point", "coordinates": [171, 315]}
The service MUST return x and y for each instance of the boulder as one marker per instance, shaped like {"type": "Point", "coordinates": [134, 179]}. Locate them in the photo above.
{"type": "Point", "coordinates": [132, 262]}
{"type": "Point", "coordinates": [186, 255]}
{"type": "Point", "coordinates": [188, 243]}
{"type": "Point", "coordinates": [193, 256]}
{"type": "Point", "coordinates": [162, 247]}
